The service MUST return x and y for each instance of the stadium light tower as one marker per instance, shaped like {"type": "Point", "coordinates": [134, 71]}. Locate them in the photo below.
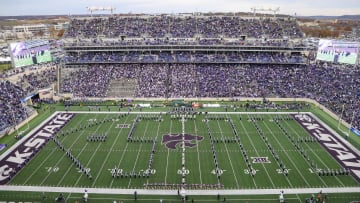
{"type": "Point", "coordinates": [275, 10]}
{"type": "Point", "coordinates": [92, 9]}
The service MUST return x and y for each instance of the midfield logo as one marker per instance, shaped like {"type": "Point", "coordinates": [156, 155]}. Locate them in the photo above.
{"type": "Point", "coordinates": [172, 140]}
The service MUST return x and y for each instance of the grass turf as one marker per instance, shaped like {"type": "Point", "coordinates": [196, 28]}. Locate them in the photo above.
{"type": "Point", "coordinates": [334, 197]}
{"type": "Point", "coordinates": [51, 166]}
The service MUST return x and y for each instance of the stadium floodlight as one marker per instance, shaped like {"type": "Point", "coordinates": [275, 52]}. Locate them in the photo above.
{"type": "Point", "coordinates": [275, 10]}
{"type": "Point", "coordinates": [92, 9]}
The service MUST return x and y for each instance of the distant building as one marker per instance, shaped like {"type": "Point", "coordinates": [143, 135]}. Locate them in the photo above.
{"type": "Point", "coordinates": [7, 35]}
{"type": "Point", "coordinates": [61, 26]}
{"type": "Point", "coordinates": [28, 31]}
{"type": "Point", "coordinates": [356, 31]}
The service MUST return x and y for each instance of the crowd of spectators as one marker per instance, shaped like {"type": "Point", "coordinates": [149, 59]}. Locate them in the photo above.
{"type": "Point", "coordinates": [179, 26]}
{"type": "Point", "coordinates": [183, 57]}
{"type": "Point", "coordinates": [333, 86]}
{"type": "Point", "coordinates": [186, 74]}
{"type": "Point", "coordinates": [37, 80]}
{"type": "Point", "coordinates": [11, 109]}
{"type": "Point", "coordinates": [246, 42]}
{"type": "Point", "coordinates": [25, 80]}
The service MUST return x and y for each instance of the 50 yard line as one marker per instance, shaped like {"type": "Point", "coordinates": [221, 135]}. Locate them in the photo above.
{"type": "Point", "coordinates": [197, 149]}
{"type": "Point", "coordinates": [167, 157]}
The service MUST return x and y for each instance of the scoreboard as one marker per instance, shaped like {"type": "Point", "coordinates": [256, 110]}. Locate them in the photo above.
{"type": "Point", "coordinates": [29, 52]}
{"type": "Point", "coordinates": [338, 51]}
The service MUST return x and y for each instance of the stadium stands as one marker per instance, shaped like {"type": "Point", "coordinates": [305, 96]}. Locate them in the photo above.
{"type": "Point", "coordinates": [37, 80]}
{"type": "Point", "coordinates": [183, 56]}
{"type": "Point", "coordinates": [183, 26]}
{"type": "Point", "coordinates": [332, 86]}
{"type": "Point", "coordinates": [11, 110]}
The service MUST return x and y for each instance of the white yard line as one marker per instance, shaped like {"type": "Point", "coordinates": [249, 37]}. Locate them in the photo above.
{"type": "Point", "coordinates": [232, 168]}
{"type": "Point", "coordinates": [294, 131]}
{"type": "Point", "coordinates": [167, 164]}
{"type": "Point", "coordinates": [49, 155]}
{"type": "Point", "coordinates": [167, 157]}
{"type": "Point", "coordinates": [207, 126]}
{"type": "Point", "coordinates": [257, 153]}
{"type": "Point", "coordinates": [69, 168]}
{"type": "Point", "coordinates": [92, 156]}
{"type": "Point", "coordinates": [243, 156]}
{"type": "Point", "coordinates": [107, 156]}
{"type": "Point", "coordinates": [137, 156]}
{"type": "Point", "coordinates": [171, 192]}
{"type": "Point", "coordinates": [16, 145]}
{"type": "Point", "coordinates": [341, 138]}
{"type": "Point", "coordinates": [64, 155]}
{"type": "Point", "coordinates": [198, 154]}
{"type": "Point", "coordinates": [286, 178]}
{"type": "Point", "coordinates": [68, 197]}
{"type": "Point", "coordinates": [269, 130]}
{"type": "Point", "coordinates": [183, 146]}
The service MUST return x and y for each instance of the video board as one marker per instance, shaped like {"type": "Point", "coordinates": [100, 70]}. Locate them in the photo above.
{"type": "Point", "coordinates": [337, 51]}
{"type": "Point", "coordinates": [30, 52]}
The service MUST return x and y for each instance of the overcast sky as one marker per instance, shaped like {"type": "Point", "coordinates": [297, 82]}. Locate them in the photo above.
{"type": "Point", "coordinates": [300, 7]}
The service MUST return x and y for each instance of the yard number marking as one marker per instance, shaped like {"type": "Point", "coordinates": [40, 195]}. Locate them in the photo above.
{"type": "Point", "coordinates": [52, 169]}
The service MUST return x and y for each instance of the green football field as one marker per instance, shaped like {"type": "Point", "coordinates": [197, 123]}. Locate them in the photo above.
{"type": "Point", "coordinates": [119, 163]}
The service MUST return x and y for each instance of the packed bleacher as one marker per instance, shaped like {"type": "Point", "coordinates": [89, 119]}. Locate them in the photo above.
{"type": "Point", "coordinates": [183, 57]}
{"type": "Point", "coordinates": [249, 42]}
{"type": "Point", "coordinates": [37, 80]}
{"type": "Point", "coordinates": [18, 84]}
{"type": "Point", "coordinates": [331, 86]}
{"type": "Point", "coordinates": [11, 110]}
{"type": "Point", "coordinates": [183, 26]}
{"type": "Point", "coordinates": [137, 52]}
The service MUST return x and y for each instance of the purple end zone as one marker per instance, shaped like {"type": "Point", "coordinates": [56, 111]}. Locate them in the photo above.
{"type": "Point", "coordinates": [171, 140]}
{"type": "Point", "coordinates": [341, 152]}
{"type": "Point", "coordinates": [13, 162]}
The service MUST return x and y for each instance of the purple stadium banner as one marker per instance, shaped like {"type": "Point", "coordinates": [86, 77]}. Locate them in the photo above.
{"type": "Point", "coordinates": [11, 163]}
{"type": "Point", "coordinates": [341, 152]}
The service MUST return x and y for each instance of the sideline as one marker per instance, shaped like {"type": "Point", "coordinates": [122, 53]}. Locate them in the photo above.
{"type": "Point", "coordinates": [174, 192]}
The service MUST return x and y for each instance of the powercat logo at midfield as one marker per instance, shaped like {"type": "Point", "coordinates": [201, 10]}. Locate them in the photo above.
{"type": "Point", "coordinates": [342, 153]}
{"type": "Point", "coordinates": [11, 163]}
{"type": "Point", "coordinates": [172, 140]}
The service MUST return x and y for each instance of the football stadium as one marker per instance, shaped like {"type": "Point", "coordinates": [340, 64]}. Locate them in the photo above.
{"type": "Point", "coordinates": [187, 107]}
